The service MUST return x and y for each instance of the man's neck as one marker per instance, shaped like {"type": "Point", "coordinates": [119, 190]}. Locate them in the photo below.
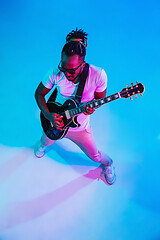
{"type": "Point", "coordinates": [76, 80]}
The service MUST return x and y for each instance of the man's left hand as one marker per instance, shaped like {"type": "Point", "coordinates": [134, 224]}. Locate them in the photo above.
{"type": "Point", "coordinates": [89, 111]}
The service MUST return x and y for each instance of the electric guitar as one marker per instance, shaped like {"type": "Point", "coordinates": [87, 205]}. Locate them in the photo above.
{"type": "Point", "coordinates": [70, 110]}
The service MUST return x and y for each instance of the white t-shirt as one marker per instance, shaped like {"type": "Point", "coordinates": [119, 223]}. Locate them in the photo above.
{"type": "Point", "coordinates": [95, 82]}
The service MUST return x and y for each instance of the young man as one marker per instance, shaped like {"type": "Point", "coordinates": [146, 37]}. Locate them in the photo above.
{"type": "Point", "coordinates": [66, 80]}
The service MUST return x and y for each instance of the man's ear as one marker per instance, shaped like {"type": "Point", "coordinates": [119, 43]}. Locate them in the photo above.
{"type": "Point", "coordinates": [84, 64]}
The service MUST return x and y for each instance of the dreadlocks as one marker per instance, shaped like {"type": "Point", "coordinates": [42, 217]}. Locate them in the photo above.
{"type": "Point", "coordinates": [76, 43]}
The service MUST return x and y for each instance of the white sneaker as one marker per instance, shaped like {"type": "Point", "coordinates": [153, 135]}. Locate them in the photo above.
{"type": "Point", "coordinates": [109, 174]}
{"type": "Point", "coordinates": [39, 150]}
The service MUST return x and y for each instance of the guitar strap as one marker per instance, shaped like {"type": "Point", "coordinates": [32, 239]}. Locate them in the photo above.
{"type": "Point", "coordinates": [81, 85]}
{"type": "Point", "coordinates": [82, 82]}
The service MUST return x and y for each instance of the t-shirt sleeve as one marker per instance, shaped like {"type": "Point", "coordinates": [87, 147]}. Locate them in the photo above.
{"type": "Point", "coordinates": [102, 82]}
{"type": "Point", "coordinates": [49, 79]}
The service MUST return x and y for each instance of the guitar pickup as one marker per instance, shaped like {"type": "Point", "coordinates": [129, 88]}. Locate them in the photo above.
{"type": "Point", "coordinates": [67, 114]}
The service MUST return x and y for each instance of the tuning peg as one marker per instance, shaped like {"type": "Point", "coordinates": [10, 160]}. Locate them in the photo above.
{"type": "Point", "coordinates": [132, 84]}
{"type": "Point", "coordinates": [127, 85]}
{"type": "Point", "coordinates": [141, 94]}
{"type": "Point", "coordinates": [131, 98]}
{"type": "Point", "coordinates": [137, 82]}
{"type": "Point", "coordinates": [136, 96]}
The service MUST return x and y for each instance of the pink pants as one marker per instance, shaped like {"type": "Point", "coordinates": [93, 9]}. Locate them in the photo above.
{"type": "Point", "coordinates": [86, 142]}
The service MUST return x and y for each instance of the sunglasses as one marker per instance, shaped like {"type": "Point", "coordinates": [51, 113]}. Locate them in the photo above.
{"type": "Point", "coordinates": [70, 71]}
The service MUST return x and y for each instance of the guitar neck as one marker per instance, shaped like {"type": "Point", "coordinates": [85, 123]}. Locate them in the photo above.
{"type": "Point", "coordinates": [93, 104]}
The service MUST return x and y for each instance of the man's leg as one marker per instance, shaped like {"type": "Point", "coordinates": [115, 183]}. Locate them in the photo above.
{"type": "Point", "coordinates": [41, 146]}
{"type": "Point", "coordinates": [85, 140]}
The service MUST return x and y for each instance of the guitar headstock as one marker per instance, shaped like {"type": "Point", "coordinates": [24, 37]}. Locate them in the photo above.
{"type": "Point", "coordinates": [133, 90]}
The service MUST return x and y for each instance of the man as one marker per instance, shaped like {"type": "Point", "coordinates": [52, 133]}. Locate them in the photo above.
{"type": "Point", "coordinates": [66, 80]}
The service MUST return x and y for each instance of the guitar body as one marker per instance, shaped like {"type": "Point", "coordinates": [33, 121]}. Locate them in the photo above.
{"type": "Point", "coordinates": [51, 131]}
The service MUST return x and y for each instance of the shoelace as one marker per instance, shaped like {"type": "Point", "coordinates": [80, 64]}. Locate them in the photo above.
{"type": "Point", "coordinates": [42, 147]}
{"type": "Point", "coordinates": [108, 170]}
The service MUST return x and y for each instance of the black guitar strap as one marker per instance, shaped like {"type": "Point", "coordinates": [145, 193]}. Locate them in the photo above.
{"type": "Point", "coordinates": [82, 82]}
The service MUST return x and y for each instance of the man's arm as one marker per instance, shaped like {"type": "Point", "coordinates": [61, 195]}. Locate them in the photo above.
{"type": "Point", "coordinates": [97, 95]}
{"type": "Point", "coordinates": [40, 93]}
{"type": "Point", "coordinates": [55, 118]}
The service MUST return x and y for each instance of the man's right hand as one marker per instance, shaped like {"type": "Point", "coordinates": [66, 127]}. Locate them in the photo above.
{"type": "Point", "coordinates": [55, 119]}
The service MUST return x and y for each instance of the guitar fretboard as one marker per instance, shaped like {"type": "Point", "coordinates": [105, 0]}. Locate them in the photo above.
{"type": "Point", "coordinates": [93, 104]}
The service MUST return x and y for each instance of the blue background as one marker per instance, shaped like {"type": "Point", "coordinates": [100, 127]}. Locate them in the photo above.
{"type": "Point", "coordinates": [123, 38]}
